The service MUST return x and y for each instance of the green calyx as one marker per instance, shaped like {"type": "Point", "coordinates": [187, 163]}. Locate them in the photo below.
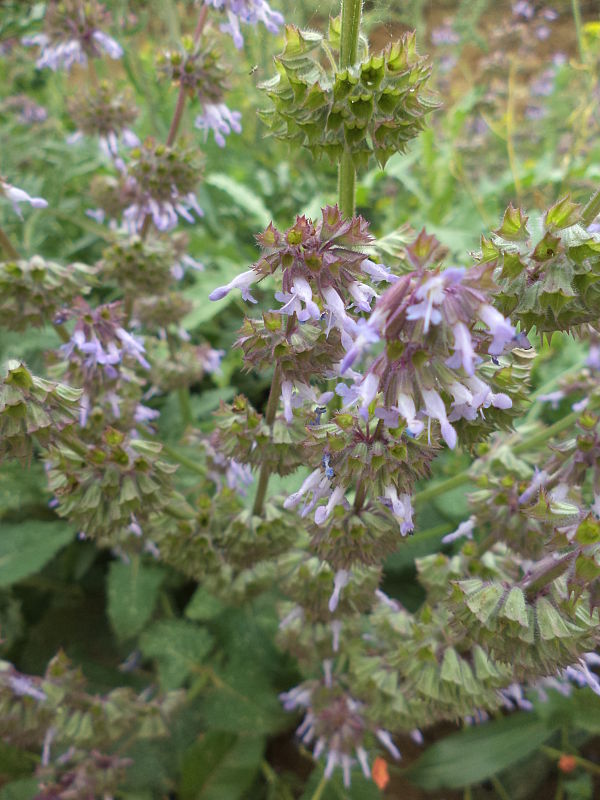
{"type": "Point", "coordinates": [371, 108]}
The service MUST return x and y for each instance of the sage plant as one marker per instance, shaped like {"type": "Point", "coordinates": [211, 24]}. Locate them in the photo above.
{"type": "Point", "coordinates": [379, 363]}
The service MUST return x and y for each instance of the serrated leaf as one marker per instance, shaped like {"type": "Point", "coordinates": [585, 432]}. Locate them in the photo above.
{"type": "Point", "coordinates": [221, 766]}
{"type": "Point", "coordinates": [25, 547]}
{"type": "Point", "coordinates": [475, 754]}
{"type": "Point", "coordinates": [132, 592]}
{"type": "Point", "coordinates": [178, 647]}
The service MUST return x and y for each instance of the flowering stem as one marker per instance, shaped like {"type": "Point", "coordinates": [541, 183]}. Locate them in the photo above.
{"type": "Point", "coordinates": [578, 29]}
{"type": "Point", "coordinates": [547, 573]}
{"type": "Point", "coordinates": [318, 793]}
{"type": "Point", "coordinates": [523, 447]}
{"type": "Point", "coordinates": [62, 333]}
{"type": "Point", "coordinates": [265, 470]}
{"type": "Point", "coordinates": [175, 122]}
{"type": "Point", "coordinates": [347, 184]}
{"type": "Point", "coordinates": [182, 393]}
{"type": "Point", "coordinates": [7, 246]}
{"type": "Point", "coordinates": [351, 14]}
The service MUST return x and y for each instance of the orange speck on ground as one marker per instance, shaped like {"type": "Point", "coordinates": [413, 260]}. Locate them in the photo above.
{"type": "Point", "coordinates": [381, 776]}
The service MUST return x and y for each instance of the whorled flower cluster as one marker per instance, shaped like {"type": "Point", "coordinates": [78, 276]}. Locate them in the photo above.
{"type": "Point", "coordinates": [72, 34]}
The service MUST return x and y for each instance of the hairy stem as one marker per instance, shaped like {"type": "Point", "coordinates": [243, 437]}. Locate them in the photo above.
{"type": "Point", "coordinates": [548, 571]}
{"type": "Point", "coordinates": [346, 184]}
{"type": "Point", "coordinates": [270, 413]}
{"type": "Point", "coordinates": [8, 246]}
{"type": "Point", "coordinates": [351, 14]}
{"type": "Point", "coordinates": [578, 29]}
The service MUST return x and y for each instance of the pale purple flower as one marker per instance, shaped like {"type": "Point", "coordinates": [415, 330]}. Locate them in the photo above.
{"type": "Point", "coordinates": [377, 272]}
{"type": "Point", "coordinates": [431, 294]}
{"type": "Point", "coordinates": [402, 509]}
{"type": "Point", "coordinates": [179, 267]}
{"type": "Point", "coordinates": [299, 301]}
{"type": "Point", "coordinates": [464, 354]}
{"type": "Point", "coordinates": [513, 697]}
{"type": "Point", "coordinates": [106, 43]}
{"type": "Point", "coordinates": [22, 686]}
{"type": "Point", "coordinates": [133, 346]}
{"type": "Point", "coordinates": [363, 295]}
{"type": "Point", "coordinates": [417, 736]}
{"type": "Point", "coordinates": [63, 55]}
{"type": "Point", "coordinates": [243, 282]}
{"type": "Point", "coordinates": [540, 478]}
{"type": "Point", "coordinates": [405, 407]}
{"type": "Point", "coordinates": [337, 316]}
{"type": "Point", "coordinates": [435, 409]}
{"type": "Point", "coordinates": [286, 398]}
{"type": "Point", "coordinates": [444, 34]}
{"type": "Point", "coordinates": [336, 629]}
{"type": "Point", "coordinates": [249, 12]}
{"type": "Point", "coordinates": [324, 512]}
{"type": "Point", "coordinates": [464, 531]}
{"type": "Point", "coordinates": [145, 414]}
{"type": "Point", "coordinates": [340, 580]}
{"type": "Point", "coordinates": [365, 333]}
{"type": "Point", "coordinates": [165, 213]}
{"type": "Point", "coordinates": [553, 398]}
{"type": "Point", "coordinates": [361, 394]}
{"type": "Point", "coordinates": [593, 359]}
{"type": "Point", "coordinates": [386, 740]}
{"type": "Point", "coordinates": [219, 119]}
{"type": "Point", "coordinates": [524, 9]}
{"type": "Point", "coordinates": [17, 196]}
{"type": "Point", "coordinates": [500, 328]}
{"type": "Point", "coordinates": [238, 477]}
{"type": "Point", "coordinates": [313, 489]}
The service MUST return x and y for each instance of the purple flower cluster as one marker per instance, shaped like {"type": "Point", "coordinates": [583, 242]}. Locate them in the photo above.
{"type": "Point", "coordinates": [248, 12]}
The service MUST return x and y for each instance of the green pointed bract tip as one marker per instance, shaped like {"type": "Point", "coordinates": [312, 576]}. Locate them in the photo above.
{"type": "Point", "coordinates": [32, 407]}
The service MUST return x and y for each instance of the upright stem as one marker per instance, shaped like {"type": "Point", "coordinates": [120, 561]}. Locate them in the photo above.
{"type": "Point", "coordinates": [8, 246]}
{"type": "Point", "coordinates": [270, 413]}
{"type": "Point", "coordinates": [346, 184]}
{"type": "Point", "coordinates": [578, 29]}
{"type": "Point", "coordinates": [351, 14]}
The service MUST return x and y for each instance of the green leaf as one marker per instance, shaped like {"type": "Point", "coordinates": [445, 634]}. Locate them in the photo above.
{"type": "Point", "coordinates": [25, 547]}
{"type": "Point", "coordinates": [475, 754]}
{"type": "Point", "coordinates": [203, 606]}
{"type": "Point", "coordinates": [244, 701]}
{"type": "Point", "coordinates": [23, 789]}
{"type": "Point", "coordinates": [221, 766]}
{"type": "Point", "coordinates": [360, 788]}
{"type": "Point", "coordinates": [178, 647]}
{"type": "Point", "coordinates": [242, 196]}
{"type": "Point", "coordinates": [132, 592]}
